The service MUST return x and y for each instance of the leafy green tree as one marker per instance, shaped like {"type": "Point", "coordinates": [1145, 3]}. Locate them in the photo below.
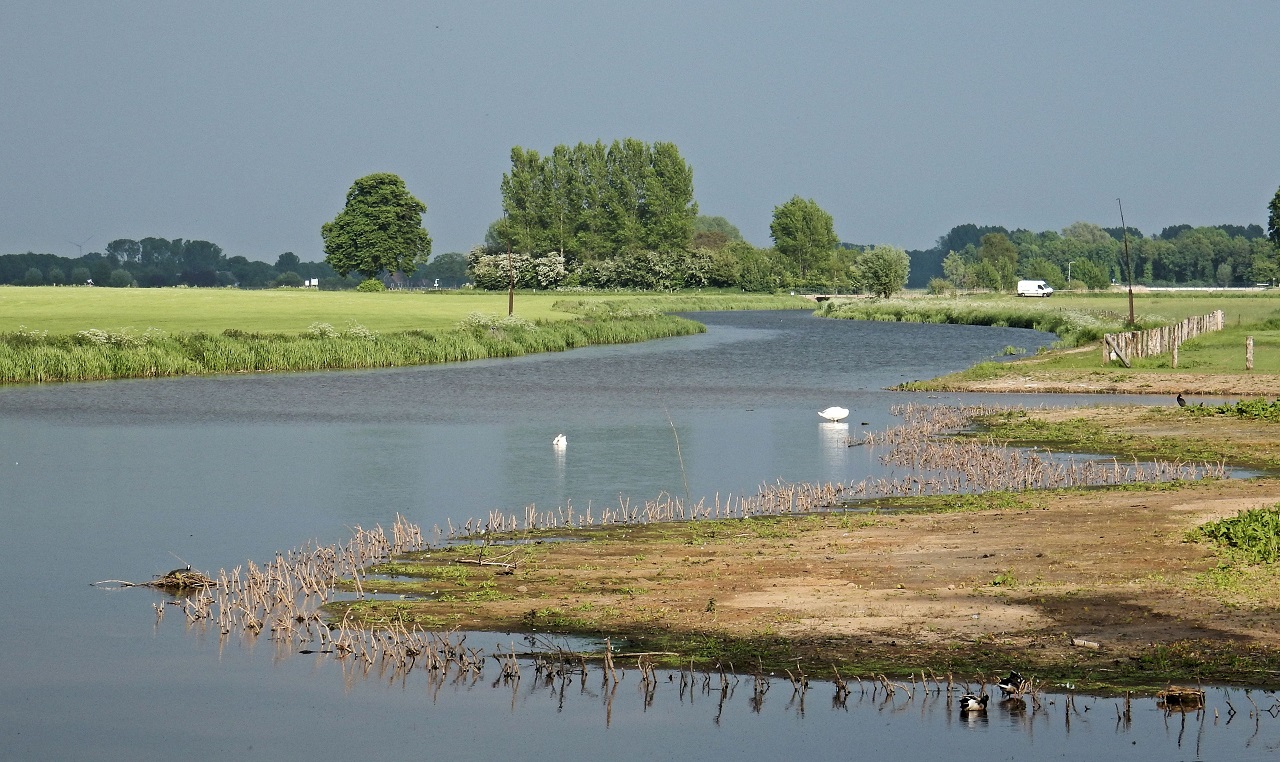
{"type": "Point", "coordinates": [987, 276]}
{"type": "Point", "coordinates": [669, 209]}
{"type": "Point", "coordinates": [968, 234]}
{"type": "Point", "coordinates": [120, 278]}
{"type": "Point", "coordinates": [883, 270]}
{"type": "Point", "coordinates": [1266, 261]}
{"type": "Point", "coordinates": [999, 253]}
{"type": "Point", "coordinates": [1223, 274]}
{"type": "Point", "coordinates": [287, 262]}
{"type": "Point", "coordinates": [959, 270]}
{"type": "Point", "coordinates": [250, 273]}
{"type": "Point", "coordinates": [126, 250]}
{"type": "Point", "coordinates": [379, 230]}
{"type": "Point", "coordinates": [56, 276]}
{"type": "Point", "coordinates": [803, 233]}
{"type": "Point", "coordinates": [33, 277]}
{"type": "Point", "coordinates": [288, 278]}
{"type": "Point", "coordinates": [80, 275]}
{"type": "Point", "coordinates": [714, 232]}
{"type": "Point", "coordinates": [1088, 233]}
{"type": "Point", "coordinates": [593, 202]}
{"type": "Point", "coordinates": [1039, 268]}
{"type": "Point", "coordinates": [1091, 274]}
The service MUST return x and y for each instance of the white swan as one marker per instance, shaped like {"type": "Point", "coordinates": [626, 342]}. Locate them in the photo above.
{"type": "Point", "coordinates": [835, 413]}
{"type": "Point", "coordinates": [560, 442]}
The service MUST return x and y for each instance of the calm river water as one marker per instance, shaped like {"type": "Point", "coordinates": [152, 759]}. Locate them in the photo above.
{"type": "Point", "coordinates": [125, 480]}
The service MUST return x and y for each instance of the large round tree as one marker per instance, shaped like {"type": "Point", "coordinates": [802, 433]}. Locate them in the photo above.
{"type": "Point", "coordinates": [803, 233]}
{"type": "Point", "coordinates": [379, 230]}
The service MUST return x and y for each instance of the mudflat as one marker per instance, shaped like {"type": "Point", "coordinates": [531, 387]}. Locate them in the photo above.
{"type": "Point", "coordinates": [1095, 585]}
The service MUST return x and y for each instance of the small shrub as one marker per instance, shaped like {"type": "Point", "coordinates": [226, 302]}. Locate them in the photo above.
{"type": "Point", "coordinates": [940, 286]}
{"type": "Point", "coordinates": [481, 320]}
{"type": "Point", "coordinates": [321, 331]}
{"type": "Point", "coordinates": [371, 284]}
{"type": "Point", "coordinates": [357, 331]}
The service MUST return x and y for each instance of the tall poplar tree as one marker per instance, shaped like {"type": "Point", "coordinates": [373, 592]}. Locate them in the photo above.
{"type": "Point", "coordinates": [1273, 220]}
{"type": "Point", "coordinates": [595, 202]}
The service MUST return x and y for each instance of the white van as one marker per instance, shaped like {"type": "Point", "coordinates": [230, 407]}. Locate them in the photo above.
{"type": "Point", "coordinates": [1034, 288]}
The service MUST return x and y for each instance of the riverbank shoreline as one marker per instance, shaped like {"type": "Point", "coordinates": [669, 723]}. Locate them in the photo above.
{"type": "Point", "coordinates": [1100, 588]}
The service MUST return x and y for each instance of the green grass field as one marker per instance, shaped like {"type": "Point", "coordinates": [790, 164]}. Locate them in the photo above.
{"type": "Point", "coordinates": [1161, 307]}
{"type": "Point", "coordinates": [1255, 314]}
{"type": "Point", "coordinates": [1080, 319]}
{"type": "Point", "coordinates": [69, 309]}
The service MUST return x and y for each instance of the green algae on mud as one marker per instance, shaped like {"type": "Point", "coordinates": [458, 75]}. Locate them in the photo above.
{"type": "Point", "coordinates": [1142, 433]}
{"type": "Point", "coordinates": [667, 589]}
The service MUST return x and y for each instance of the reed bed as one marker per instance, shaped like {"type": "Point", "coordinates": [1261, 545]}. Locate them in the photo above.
{"type": "Point", "coordinates": [1073, 327]}
{"type": "Point", "coordinates": [282, 598]}
{"type": "Point", "coordinates": [93, 355]}
{"type": "Point", "coordinates": [938, 464]}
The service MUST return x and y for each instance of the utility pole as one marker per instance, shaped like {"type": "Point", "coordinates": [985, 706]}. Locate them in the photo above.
{"type": "Point", "coordinates": [1069, 264]}
{"type": "Point", "coordinates": [511, 286]}
{"type": "Point", "coordinates": [1128, 262]}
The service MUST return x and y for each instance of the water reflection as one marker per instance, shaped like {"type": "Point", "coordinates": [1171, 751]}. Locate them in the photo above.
{"type": "Point", "coordinates": [835, 441]}
{"type": "Point", "coordinates": [115, 480]}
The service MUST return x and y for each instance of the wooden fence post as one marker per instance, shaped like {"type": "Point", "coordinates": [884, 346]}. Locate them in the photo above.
{"type": "Point", "coordinates": [1248, 353]}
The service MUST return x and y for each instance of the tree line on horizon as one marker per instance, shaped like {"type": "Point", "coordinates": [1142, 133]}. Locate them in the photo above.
{"type": "Point", "coordinates": [1090, 256]}
{"type": "Point", "coordinates": [624, 216]}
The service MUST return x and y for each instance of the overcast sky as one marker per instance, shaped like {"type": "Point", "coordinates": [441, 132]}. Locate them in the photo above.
{"type": "Point", "coordinates": [245, 122]}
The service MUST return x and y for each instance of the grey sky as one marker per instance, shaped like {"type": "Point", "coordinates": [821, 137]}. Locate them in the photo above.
{"type": "Point", "coordinates": [244, 123]}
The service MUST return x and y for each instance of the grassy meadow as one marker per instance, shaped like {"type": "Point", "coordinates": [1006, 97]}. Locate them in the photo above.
{"type": "Point", "coordinates": [1080, 319]}
{"type": "Point", "coordinates": [61, 310]}
{"type": "Point", "coordinates": [82, 334]}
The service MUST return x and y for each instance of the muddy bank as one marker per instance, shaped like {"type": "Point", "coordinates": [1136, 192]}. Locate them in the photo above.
{"type": "Point", "coordinates": [1096, 585]}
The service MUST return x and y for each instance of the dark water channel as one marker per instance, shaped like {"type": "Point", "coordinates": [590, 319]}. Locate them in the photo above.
{"type": "Point", "coordinates": [124, 480]}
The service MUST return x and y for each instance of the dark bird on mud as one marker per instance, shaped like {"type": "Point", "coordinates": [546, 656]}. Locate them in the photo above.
{"type": "Point", "coordinates": [1182, 401]}
{"type": "Point", "coordinates": [1013, 685]}
{"type": "Point", "coordinates": [971, 703]}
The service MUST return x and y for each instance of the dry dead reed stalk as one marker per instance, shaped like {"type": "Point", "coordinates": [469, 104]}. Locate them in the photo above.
{"type": "Point", "coordinates": [935, 464]}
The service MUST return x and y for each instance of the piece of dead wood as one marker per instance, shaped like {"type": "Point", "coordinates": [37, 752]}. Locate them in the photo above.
{"type": "Point", "coordinates": [178, 579]}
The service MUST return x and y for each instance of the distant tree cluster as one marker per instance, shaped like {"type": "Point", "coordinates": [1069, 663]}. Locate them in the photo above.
{"type": "Point", "coordinates": [155, 262]}
{"type": "Point", "coordinates": [593, 203]}
{"type": "Point", "coordinates": [992, 257]}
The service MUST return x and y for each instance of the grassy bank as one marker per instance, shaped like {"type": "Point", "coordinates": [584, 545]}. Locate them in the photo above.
{"type": "Point", "coordinates": [1072, 326]}
{"type": "Point", "coordinates": [1210, 364]}
{"type": "Point", "coordinates": [83, 334]}
{"type": "Point", "coordinates": [1151, 578]}
{"type": "Point", "coordinates": [30, 356]}
{"type": "Point", "coordinates": [826, 592]}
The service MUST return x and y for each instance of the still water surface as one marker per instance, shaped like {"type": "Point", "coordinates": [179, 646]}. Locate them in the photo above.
{"type": "Point", "coordinates": [129, 479]}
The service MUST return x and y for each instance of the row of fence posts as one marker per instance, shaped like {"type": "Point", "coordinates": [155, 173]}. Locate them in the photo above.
{"type": "Point", "coordinates": [1156, 341]}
